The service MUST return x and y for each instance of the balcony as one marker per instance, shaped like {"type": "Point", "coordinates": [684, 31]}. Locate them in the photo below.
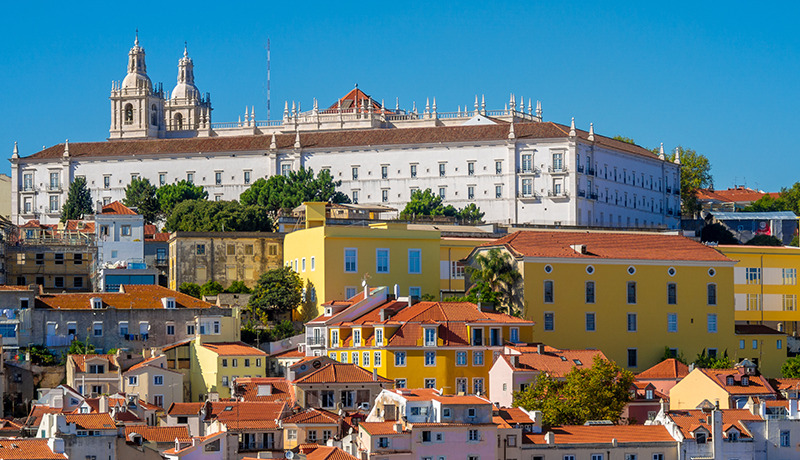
{"type": "Point", "coordinates": [580, 168]}
{"type": "Point", "coordinates": [581, 193]}
{"type": "Point", "coordinates": [561, 194]}
{"type": "Point", "coordinates": [554, 170]}
{"type": "Point", "coordinates": [590, 171]}
{"type": "Point", "coordinates": [315, 341]}
{"type": "Point", "coordinates": [528, 196]}
{"type": "Point", "coordinates": [592, 196]}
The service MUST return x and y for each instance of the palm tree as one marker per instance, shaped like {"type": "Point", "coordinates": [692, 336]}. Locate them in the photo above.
{"type": "Point", "coordinates": [494, 272]}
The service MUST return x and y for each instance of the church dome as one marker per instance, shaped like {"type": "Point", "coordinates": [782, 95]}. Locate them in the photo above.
{"type": "Point", "coordinates": [137, 69]}
{"type": "Point", "coordinates": [185, 89]}
{"type": "Point", "coordinates": [137, 81]}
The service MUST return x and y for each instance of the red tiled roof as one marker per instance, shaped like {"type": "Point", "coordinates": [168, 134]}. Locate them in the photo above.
{"type": "Point", "coordinates": [288, 354]}
{"type": "Point", "coordinates": [132, 297]}
{"type": "Point", "coordinates": [757, 384]}
{"type": "Point", "coordinates": [190, 408]}
{"type": "Point", "coordinates": [329, 453]}
{"type": "Point", "coordinates": [355, 98]}
{"type": "Point", "coordinates": [140, 365]}
{"type": "Point", "coordinates": [606, 245]}
{"type": "Point", "coordinates": [669, 369]}
{"type": "Point", "coordinates": [247, 414]}
{"type": "Point", "coordinates": [786, 384]}
{"type": "Point", "coordinates": [640, 434]}
{"type": "Point", "coordinates": [27, 449]}
{"type": "Point", "coordinates": [234, 349]}
{"type": "Point", "coordinates": [80, 362]}
{"type": "Point", "coordinates": [732, 195]}
{"type": "Point", "coordinates": [554, 361]}
{"type": "Point", "coordinates": [313, 416]}
{"type": "Point", "coordinates": [417, 394]}
{"type": "Point", "coordinates": [162, 237]}
{"type": "Point", "coordinates": [115, 207]}
{"type": "Point", "coordinates": [91, 421]}
{"type": "Point", "coordinates": [10, 428]}
{"type": "Point", "coordinates": [509, 416]}
{"type": "Point", "coordinates": [157, 433]}
{"type": "Point", "coordinates": [380, 428]}
{"type": "Point", "coordinates": [81, 226]}
{"type": "Point", "coordinates": [690, 420]}
{"type": "Point", "coordinates": [6, 287]}
{"type": "Point", "coordinates": [330, 140]}
{"type": "Point", "coordinates": [37, 411]}
{"type": "Point", "coordinates": [341, 373]}
{"type": "Point", "coordinates": [281, 390]}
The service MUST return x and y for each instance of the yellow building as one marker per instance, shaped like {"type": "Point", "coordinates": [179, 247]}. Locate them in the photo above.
{"type": "Point", "coordinates": [445, 345]}
{"type": "Point", "coordinates": [628, 294]}
{"type": "Point", "coordinates": [731, 388]}
{"type": "Point", "coordinates": [765, 285]}
{"type": "Point", "coordinates": [216, 364]}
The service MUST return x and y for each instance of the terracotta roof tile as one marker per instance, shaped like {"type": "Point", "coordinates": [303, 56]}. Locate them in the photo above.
{"type": "Point", "coordinates": [340, 373]}
{"type": "Point", "coordinates": [380, 428]}
{"type": "Point", "coordinates": [142, 364]}
{"type": "Point", "coordinates": [91, 421]}
{"type": "Point", "coordinates": [246, 414]}
{"type": "Point", "coordinates": [732, 195]}
{"type": "Point", "coordinates": [290, 353]}
{"type": "Point", "coordinates": [115, 207]}
{"type": "Point", "coordinates": [37, 411]}
{"type": "Point", "coordinates": [80, 362]}
{"type": "Point", "coordinates": [190, 408]}
{"type": "Point", "coordinates": [312, 416]}
{"type": "Point", "coordinates": [757, 384]}
{"type": "Point", "coordinates": [132, 297]}
{"type": "Point", "coordinates": [669, 369]}
{"type": "Point", "coordinates": [639, 434]}
{"type": "Point", "coordinates": [10, 428]}
{"type": "Point", "coordinates": [554, 361]}
{"type": "Point", "coordinates": [786, 384]}
{"type": "Point", "coordinates": [280, 389]}
{"type": "Point", "coordinates": [690, 420]}
{"type": "Point", "coordinates": [157, 433]}
{"type": "Point", "coordinates": [27, 449]}
{"type": "Point", "coordinates": [234, 349]}
{"type": "Point", "coordinates": [509, 416]}
{"type": "Point", "coordinates": [606, 245]}
{"type": "Point", "coordinates": [81, 226]}
{"type": "Point", "coordinates": [329, 140]}
{"type": "Point", "coordinates": [329, 453]}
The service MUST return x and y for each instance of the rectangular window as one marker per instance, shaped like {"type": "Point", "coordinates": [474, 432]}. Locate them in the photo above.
{"type": "Point", "coordinates": [350, 260]}
{"type": "Point", "coordinates": [400, 358]}
{"type": "Point", "coordinates": [414, 261]}
{"type": "Point", "coordinates": [247, 177]}
{"type": "Point", "coordinates": [413, 170]}
{"type": "Point", "coordinates": [548, 291]}
{"type": "Point", "coordinates": [632, 357]}
{"type": "Point", "coordinates": [54, 182]}
{"type": "Point", "coordinates": [381, 261]}
{"type": "Point", "coordinates": [399, 383]}
{"type": "Point", "coordinates": [590, 292]}
{"type": "Point", "coordinates": [170, 329]}
{"type": "Point", "coordinates": [527, 187]}
{"type": "Point", "coordinates": [158, 380]}
{"type": "Point", "coordinates": [672, 293]}
{"type": "Point", "coordinates": [558, 161]}
{"type": "Point", "coordinates": [471, 192]}
{"type": "Point", "coordinates": [218, 178]}
{"type": "Point", "coordinates": [474, 435]}
{"type": "Point", "coordinates": [349, 291]}
{"type": "Point", "coordinates": [133, 380]}
{"type": "Point", "coordinates": [54, 203]}
{"type": "Point", "coordinates": [376, 359]}
{"type": "Point", "coordinates": [106, 181]}
{"type": "Point", "coordinates": [442, 169]}
{"type": "Point", "coordinates": [313, 263]}
{"type": "Point", "coordinates": [190, 177]}
{"type": "Point", "coordinates": [123, 328]}
{"type": "Point", "coordinates": [461, 358]}
{"type": "Point", "coordinates": [631, 292]}
{"type": "Point", "coordinates": [549, 321]}
{"type": "Point", "coordinates": [58, 281]}
{"type": "Point", "coordinates": [527, 162]}
{"type": "Point", "coordinates": [125, 230]}
{"type": "Point", "coordinates": [59, 259]}
{"type": "Point", "coordinates": [430, 383]}
{"type": "Point", "coordinates": [384, 196]}
{"type": "Point", "coordinates": [789, 302]}
{"type": "Point", "coordinates": [379, 336]}
{"type": "Point", "coordinates": [712, 322]}
{"type": "Point", "coordinates": [200, 249]}
{"type": "Point", "coordinates": [97, 329]}
{"type": "Point", "coordinates": [354, 196]}
{"type": "Point", "coordinates": [354, 170]}
{"type": "Point", "coordinates": [786, 440]}
{"type": "Point", "coordinates": [631, 322]}
{"type": "Point", "coordinates": [514, 335]}
{"type": "Point", "coordinates": [590, 322]}
{"type": "Point", "coordinates": [477, 358]}
{"type": "Point", "coordinates": [357, 337]}
{"type": "Point", "coordinates": [430, 337]}
{"type": "Point", "coordinates": [443, 192]}
{"type": "Point", "coordinates": [672, 322]}
{"type": "Point", "coordinates": [477, 337]}
{"type": "Point", "coordinates": [286, 168]}
{"type": "Point", "coordinates": [711, 294]}
{"type": "Point", "coordinates": [498, 167]}
{"type": "Point", "coordinates": [27, 182]}
{"type": "Point", "coordinates": [430, 358]}
{"type": "Point", "coordinates": [498, 191]}
{"type": "Point", "coordinates": [789, 276]}
{"type": "Point", "coordinates": [471, 168]}
{"type": "Point", "coordinates": [753, 302]}
{"type": "Point", "coordinates": [753, 275]}
{"type": "Point", "coordinates": [384, 172]}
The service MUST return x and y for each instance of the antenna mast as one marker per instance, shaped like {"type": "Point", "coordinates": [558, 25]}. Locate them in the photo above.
{"type": "Point", "coordinates": [268, 85]}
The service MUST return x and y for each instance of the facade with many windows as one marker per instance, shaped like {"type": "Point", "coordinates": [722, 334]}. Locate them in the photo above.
{"type": "Point", "coordinates": [628, 294]}
{"type": "Point", "coordinates": [510, 163]}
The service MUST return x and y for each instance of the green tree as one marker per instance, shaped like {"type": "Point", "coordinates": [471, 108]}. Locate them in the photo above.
{"type": "Point", "coordinates": [238, 287]}
{"type": "Point", "coordinates": [787, 200]}
{"type": "Point", "coordinates": [494, 271]}
{"type": "Point", "coordinates": [210, 288]}
{"type": "Point", "coordinates": [790, 369]}
{"type": "Point", "coordinates": [170, 195]}
{"type": "Point", "coordinates": [695, 174]}
{"type": "Point", "coordinates": [669, 354]}
{"type": "Point", "coordinates": [795, 241]}
{"type": "Point", "coordinates": [717, 233]}
{"type": "Point", "coordinates": [42, 356]}
{"type": "Point", "coordinates": [80, 348]}
{"type": "Point", "coordinates": [192, 289]}
{"type": "Point", "coordinates": [218, 216]}
{"type": "Point", "coordinates": [287, 192]}
{"type": "Point", "coordinates": [427, 203]}
{"type": "Point", "coordinates": [79, 201]}
{"type": "Point", "coordinates": [470, 214]}
{"type": "Point", "coordinates": [279, 290]}
{"type": "Point", "coordinates": [708, 362]}
{"type": "Point", "coordinates": [596, 393]}
{"type": "Point", "coordinates": [627, 140]}
{"type": "Point", "coordinates": [764, 240]}
{"type": "Point", "coordinates": [141, 194]}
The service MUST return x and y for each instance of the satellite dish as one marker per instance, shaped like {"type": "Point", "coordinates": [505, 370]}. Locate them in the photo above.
{"type": "Point", "coordinates": [289, 454]}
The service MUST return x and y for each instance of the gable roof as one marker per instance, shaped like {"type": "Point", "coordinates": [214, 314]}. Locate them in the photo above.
{"type": "Point", "coordinates": [184, 408]}
{"type": "Point", "coordinates": [233, 349]}
{"type": "Point", "coordinates": [245, 414]}
{"type": "Point", "coordinates": [756, 385]}
{"type": "Point", "coordinates": [732, 195]}
{"type": "Point", "coordinates": [115, 207]}
{"type": "Point", "coordinates": [80, 361]}
{"type": "Point", "coordinates": [341, 373]}
{"type": "Point", "coordinates": [27, 449]}
{"type": "Point", "coordinates": [312, 416]}
{"type": "Point", "coordinates": [247, 388]}
{"type": "Point", "coordinates": [690, 420]}
{"type": "Point", "coordinates": [381, 428]}
{"type": "Point", "coordinates": [593, 434]}
{"type": "Point", "coordinates": [157, 433]}
{"type": "Point", "coordinates": [329, 453]}
{"type": "Point", "coordinates": [669, 369]}
{"type": "Point", "coordinates": [605, 245]}
{"type": "Point", "coordinates": [129, 297]}
{"type": "Point", "coordinates": [507, 417]}
{"type": "Point", "coordinates": [91, 421]}
{"type": "Point", "coordinates": [554, 361]}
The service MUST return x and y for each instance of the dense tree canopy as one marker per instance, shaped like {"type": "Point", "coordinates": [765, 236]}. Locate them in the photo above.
{"type": "Point", "coordinates": [695, 174]}
{"type": "Point", "coordinates": [170, 195]}
{"type": "Point", "coordinates": [791, 368]}
{"type": "Point", "coordinates": [141, 194]}
{"type": "Point", "coordinates": [596, 393]}
{"type": "Point", "coordinates": [79, 201]}
{"type": "Point", "coordinates": [427, 203]}
{"type": "Point", "coordinates": [210, 288]}
{"type": "Point", "coordinates": [764, 240]}
{"type": "Point", "coordinates": [238, 287]}
{"type": "Point", "coordinates": [278, 290]}
{"type": "Point", "coordinates": [288, 192]}
{"type": "Point", "coordinates": [494, 278]}
{"type": "Point", "coordinates": [192, 289]}
{"type": "Point", "coordinates": [218, 216]}
{"type": "Point", "coordinates": [787, 200]}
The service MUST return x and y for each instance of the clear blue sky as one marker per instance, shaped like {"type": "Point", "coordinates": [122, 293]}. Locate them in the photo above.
{"type": "Point", "coordinates": [720, 79]}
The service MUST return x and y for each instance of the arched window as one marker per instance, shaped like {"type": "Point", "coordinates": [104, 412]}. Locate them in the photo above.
{"type": "Point", "coordinates": [128, 113]}
{"type": "Point", "coordinates": [178, 121]}
{"type": "Point", "coordinates": [154, 115]}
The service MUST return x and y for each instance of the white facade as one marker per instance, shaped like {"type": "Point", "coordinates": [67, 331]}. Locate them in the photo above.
{"type": "Point", "coordinates": [512, 165]}
{"type": "Point", "coordinates": [120, 237]}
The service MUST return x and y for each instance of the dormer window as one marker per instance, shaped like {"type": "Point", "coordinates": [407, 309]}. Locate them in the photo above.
{"type": "Point", "coordinates": [357, 337]}
{"type": "Point", "coordinates": [471, 412]}
{"type": "Point", "coordinates": [329, 311]}
{"type": "Point", "coordinates": [379, 336]}
{"type": "Point", "coordinates": [733, 436]}
{"type": "Point", "coordinates": [168, 302]}
{"type": "Point", "coordinates": [96, 303]}
{"type": "Point", "coordinates": [700, 437]}
{"type": "Point", "coordinates": [648, 394]}
{"type": "Point", "coordinates": [745, 380]}
{"type": "Point", "coordinates": [430, 337]}
{"type": "Point", "coordinates": [729, 380]}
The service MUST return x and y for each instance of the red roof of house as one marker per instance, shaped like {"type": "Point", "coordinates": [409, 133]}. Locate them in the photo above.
{"type": "Point", "coordinates": [329, 453]}
{"type": "Point", "coordinates": [507, 417]}
{"type": "Point", "coordinates": [756, 385]}
{"type": "Point", "coordinates": [330, 140]}
{"type": "Point", "coordinates": [554, 361]}
{"type": "Point", "coordinates": [341, 373]}
{"type": "Point", "coordinates": [190, 408]}
{"type": "Point", "coordinates": [115, 207]}
{"type": "Point", "coordinates": [157, 433]}
{"type": "Point", "coordinates": [689, 420]}
{"type": "Point", "coordinates": [37, 411]}
{"type": "Point", "coordinates": [290, 353]}
{"type": "Point", "coordinates": [81, 226]}
{"type": "Point", "coordinates": [281, 390]}
{"type": "Point", "coordinates": [130, 297]}
{"type": "Point", "coordinates": [312, 416]}
{"type": "Point", "coordinates": [355, 98]}
{"type": "Point", "coordinates": [593, 434]}
{"type": "Point", "coordinates": [606, 245]}
{"type": "Point", "coordinates": [246, 414]}
{"type": "Point", "coordinates": [80, 362]}
{"type": "Point", "coordinates": [669, 369]}
{"type": "Point", "coordinates": [733, 195]}
{"type": "Point", "coordinates": [91, 421]}
{"type": "Point", "coordinates": [380, 428]}
{"type": "Point", "coordinates": [27, 449]}
{"type": "Point", "coordinates": [234, 349]}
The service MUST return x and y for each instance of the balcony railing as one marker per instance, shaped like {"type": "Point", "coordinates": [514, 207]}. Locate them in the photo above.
{"type": "Point", "coordinates": [314, 341]}
{"type": "Point", "coordinates": [590, 171]}
{"type": "Point", "coordinates": [561, 170]}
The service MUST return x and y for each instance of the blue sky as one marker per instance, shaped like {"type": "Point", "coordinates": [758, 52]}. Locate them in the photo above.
{"type": "Point", "coordinates": [721, 80]}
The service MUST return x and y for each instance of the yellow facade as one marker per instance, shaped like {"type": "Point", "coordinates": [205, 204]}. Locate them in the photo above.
{"type": "Point", "coordinates": [407, 365]}
{"type": "Point", "coordinates": [318, 255]}
{"type": "Point", "coordinates": [213, 372]}
{"type": "Point", "coordinates": [765, 285]}
{"type": "Point", "coordinates": [451, 251]}
{"type": "Point", "coordinates": [693, 389]}
{"type": "Point", "coordinates": [767, 351]}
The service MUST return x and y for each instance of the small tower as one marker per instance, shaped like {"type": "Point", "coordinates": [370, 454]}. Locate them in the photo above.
{"type": "Point", "coordinates": [136, 107]}
{"type": "Point", "coordinates": [186, 111]}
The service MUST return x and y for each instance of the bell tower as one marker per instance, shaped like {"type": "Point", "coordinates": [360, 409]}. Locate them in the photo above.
{"type": "Point", "coordinates": [187, 112]}
{"type": "Point", "coordinates": [137, 108]}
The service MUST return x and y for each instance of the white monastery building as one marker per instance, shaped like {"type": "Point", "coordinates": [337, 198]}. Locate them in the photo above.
{"type": "Point", "coordinates": [516, 167]}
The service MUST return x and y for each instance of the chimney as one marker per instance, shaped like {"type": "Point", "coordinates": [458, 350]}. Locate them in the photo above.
{"type": "Point", "coordinates": [396, 291]}
{"type": "Point", "coordinates": [374, 374]}
{"type": "Point", "coordinates": [550, 438]}
{"type": "Point", "coordinates": [664, 406]}
{"type": "Point", "coordinates": [579, 248]}
{"type": "Point", "coordinates": [103, 404]}
{"type": "Point", "coordinates": [366, 290]}
{"type": "Point", "coordinates": [56, 445]}
{"type": "Point", "coordinates": [762, 409]}
{"type": "Point", "coordinates": [716, 433]}
{"type": "Point", "coordinates": [540, 348]}
{"type": "Point", "coordinates": [793, 408]}
{"type": "Point", "coordinates": [398, 427]}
